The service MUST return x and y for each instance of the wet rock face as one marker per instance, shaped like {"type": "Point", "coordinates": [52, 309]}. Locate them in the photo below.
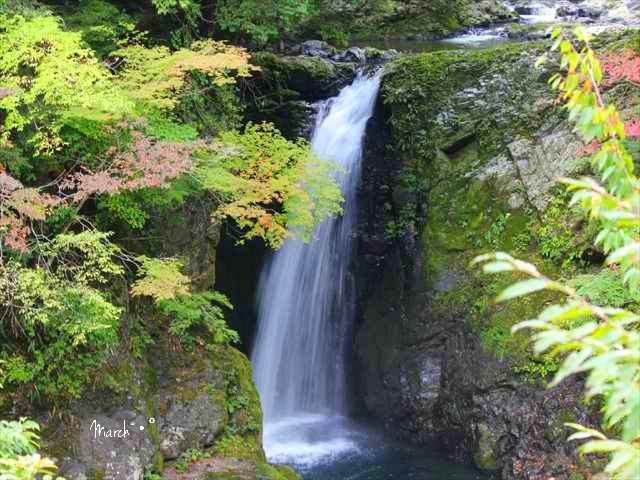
{"type": "Point", "coordinates": [540, 162]}
{"type": "Point", "coordinates": [315, 48]}
{"type": "Point", "coordinates": [353, 54]}
{"type": "Point", "coordinates": [568, 11]}
{"type": "Point", "coordinates": [528, 169]}
{"type": "Point", "coordinates": [506, 426]}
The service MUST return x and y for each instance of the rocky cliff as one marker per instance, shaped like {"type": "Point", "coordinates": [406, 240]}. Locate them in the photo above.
{"type": "Point", "coordinates": [463, 157]}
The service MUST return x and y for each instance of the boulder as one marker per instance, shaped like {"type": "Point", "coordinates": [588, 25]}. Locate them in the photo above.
{"type": "Point", "coordinates": [300, 77]}
{"type": "Point", "coordinates": [352, 54]}
{"type": "Point", "coordinates": [109, 446]}
{"type": "Point", "coordinates": [316, 77]}
{"type": "Point", "coordinates": [177, 402]}
{"type": "Point", "coordinates": [593, 11]}
{"type": "Point", "coordinates": [525, 10]}
{"type": "Point", "coordinates": [530, 168]}
{"type": "Point", "coordinates": [568, 11]}
{"type": "Point", "coordinates": [609, 11]}
{"type": "Point", "coordinates": [316, 48]}
{"type": "Point", "coordinates": [540, 162]}
{"type": "Point", "coordinates": [193, 414]}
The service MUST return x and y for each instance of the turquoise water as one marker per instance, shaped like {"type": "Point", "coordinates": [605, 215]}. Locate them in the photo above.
{"type": "Point", "coordinates": [360, 452]}
{"type": "Point", "coordinates": [392, 462]}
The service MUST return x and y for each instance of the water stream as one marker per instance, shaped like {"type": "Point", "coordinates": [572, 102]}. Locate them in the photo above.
{"type": "Point", "coordinates": [305, 313]}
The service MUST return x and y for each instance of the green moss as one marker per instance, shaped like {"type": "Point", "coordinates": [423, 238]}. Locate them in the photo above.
{"type": "Point", "coordinates": [484, 455]}
{"type": "Point", "coordinates": [634, 41]}
{"type": "Point", "coordinates": [556, 429]}
{"type": "Point", "coordinates": [154, 434]}
{"type": "Point", "coordinates": [277, 472]}
{"type": "Point", "coordinates": [221, 476]}
{"type": "Point", "coordinates": [470, 215]}
{"type": "Point", "coordinates": [287, 78]}
{"type": "Point", "coordinates": [315, 68]}
{"type": "Point", "coordinates": [559, 235]}
{"type": "Point", "coordinates": [606, 288]}
{"type": "Point", "coordinates": [56, 445]}
{"type": "Point", "coordinates": [237, 446]}
{"type": "Point", "coordinates": [415, 88]}
{"type": "Point", "coordinates": [242, 400]}
{"type": "Point", "coordinates": [97, 474]}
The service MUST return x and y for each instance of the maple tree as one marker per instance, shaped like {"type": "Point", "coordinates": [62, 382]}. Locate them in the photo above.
{"type": "Point", "coordinates": [273, 188]}
{"type": "Point", "coordinates": [51, 75]}
{"type": "Point", "coordinates": [93, 116]}
{"type": "Point", "coordinates": [144, 163]}
{"type": "Point", "coordinates": [19, 206]}
{"type": "Point", "coordinates": [632, 128]}
{"type": "Point", "coordinates": [621, 66]}
{"type": "Point", "coordinates": [156, 75]}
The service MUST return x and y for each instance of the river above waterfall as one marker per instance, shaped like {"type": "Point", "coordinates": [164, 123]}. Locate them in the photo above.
{"type": "Point", "coordinates": [475, 39]}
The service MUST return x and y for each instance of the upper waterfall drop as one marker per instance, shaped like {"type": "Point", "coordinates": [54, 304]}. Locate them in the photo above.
{"type": "Point", "coordinates": [306, 294]}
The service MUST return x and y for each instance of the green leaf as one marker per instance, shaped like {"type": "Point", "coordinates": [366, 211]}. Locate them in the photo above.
{"type": "Point", "coordinates": [497, 267]}
{"type": "Point", "coordinates": [601, 446]}
{"type": "Point", "coordinates": [590, 431]}
{"type": "Point", "coordinates": [523, 288]}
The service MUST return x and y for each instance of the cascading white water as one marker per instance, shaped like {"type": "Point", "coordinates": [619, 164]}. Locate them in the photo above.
{"type": "Point", "coordinates": [306, 299]}
{"type": "Point", "coordinates": [541, 12]}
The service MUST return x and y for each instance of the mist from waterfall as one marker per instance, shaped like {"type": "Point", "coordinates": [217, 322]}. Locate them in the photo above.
{"type": "Point", "coordinates": [306, 303]}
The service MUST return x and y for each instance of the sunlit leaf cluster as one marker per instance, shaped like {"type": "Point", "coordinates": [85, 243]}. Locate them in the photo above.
{"type": "Point", "coordinates": [50, 74]}
{"type": "Point", "coordinates": [157, 75]}
{"type": "Point", "coordinates": [18, 458]}
{"type": "Point", "coordinates": [271, 187]}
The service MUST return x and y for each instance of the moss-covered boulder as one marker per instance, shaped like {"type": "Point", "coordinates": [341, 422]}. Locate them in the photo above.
{"type": "Point", "coordinates": [283, 90]}
{"type": "Point", "coordinates": [302, 76]}
{"type": "Point", "coordinates": [475, 144]}
{"type": "Point", "coordinates": [170, 405]}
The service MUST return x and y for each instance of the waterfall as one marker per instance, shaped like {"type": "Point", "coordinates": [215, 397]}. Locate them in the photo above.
{"type": "Point", "coordinates": [306, 301]}
{"type": "Point", "coordinates": [541, 12]}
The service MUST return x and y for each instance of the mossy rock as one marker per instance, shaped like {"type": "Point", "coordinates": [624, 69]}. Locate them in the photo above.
{"type": "Point", "coordinates": [242, 399]}
{"type": "Point", "coordinates": [277, 472]}
{"type": "Point", "coordinates": [463, 108]}
{"type": "Point", "coordinates": [301, 77]}
{"type": "Point", "coordinates": [484, 456]}
{"type": "Point", "coordinates": [417, 90]}
{"type": "Point", "coordinates": [556, 429]}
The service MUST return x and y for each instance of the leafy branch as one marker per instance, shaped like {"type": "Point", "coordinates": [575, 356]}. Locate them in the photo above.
{"type": "Point", "coordinates": [601, 342]}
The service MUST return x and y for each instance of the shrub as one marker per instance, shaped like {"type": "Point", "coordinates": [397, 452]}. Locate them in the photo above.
{"type": "Point", "coordinates": [601, 341]}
